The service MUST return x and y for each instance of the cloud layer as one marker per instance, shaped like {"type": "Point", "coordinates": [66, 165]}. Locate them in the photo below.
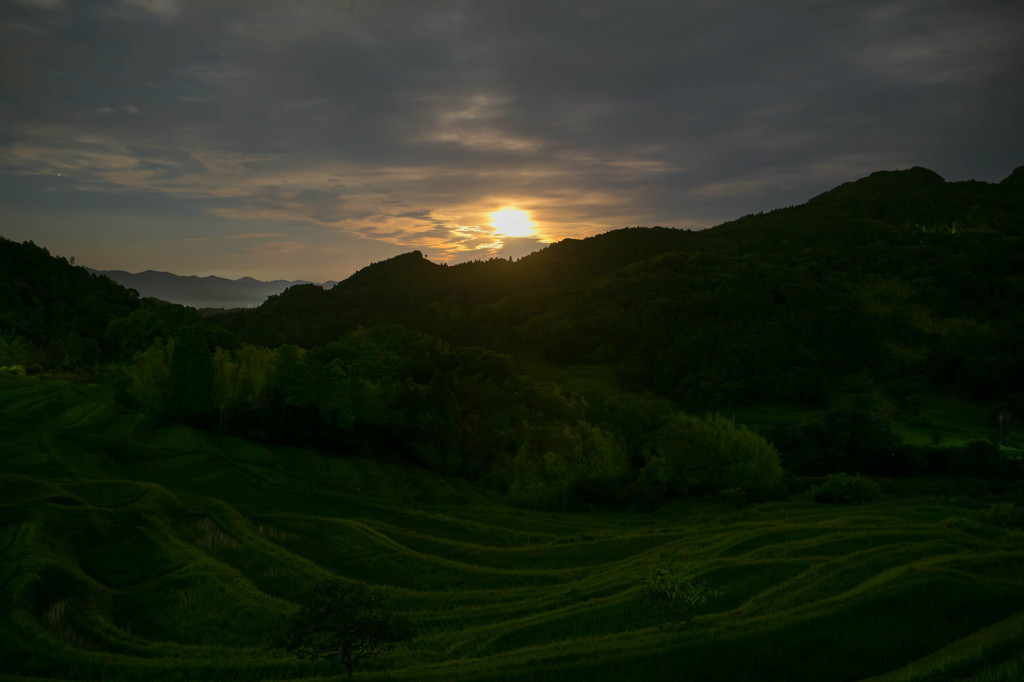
{"type": "Point", "coordinates": [305, 139]}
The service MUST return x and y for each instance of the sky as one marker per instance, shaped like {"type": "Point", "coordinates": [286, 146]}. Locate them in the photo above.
{"type": "Point", "coordinates": [305, 140]}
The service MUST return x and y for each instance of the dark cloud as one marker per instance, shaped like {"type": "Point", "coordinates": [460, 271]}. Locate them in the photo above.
{"type": "Point", "coordinates": [407, 122]}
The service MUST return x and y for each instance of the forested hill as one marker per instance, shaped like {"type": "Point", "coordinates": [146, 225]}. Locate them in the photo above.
{"type": "Point", "coordinates": [57, 316]}
{"type": "Point", "coordinates": [894, 277]}
{"type": "Point", "coordinates": [410, 290]}
{"type": "Point", "coordinates": [53, 314]}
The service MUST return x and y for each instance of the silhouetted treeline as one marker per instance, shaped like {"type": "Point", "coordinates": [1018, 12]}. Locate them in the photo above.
{"type": "Point", "coordinates": [390, 393]}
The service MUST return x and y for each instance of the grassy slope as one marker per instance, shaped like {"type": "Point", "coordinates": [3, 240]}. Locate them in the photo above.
{"type": "Point", "coordinates": [134, 549]}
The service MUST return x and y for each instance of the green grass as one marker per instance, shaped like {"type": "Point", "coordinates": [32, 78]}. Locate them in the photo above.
{"type": "Point", "coordinates": [132, 549]}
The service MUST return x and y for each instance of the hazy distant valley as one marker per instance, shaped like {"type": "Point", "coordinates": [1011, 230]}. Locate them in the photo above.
{"type": "Point", "coordinates": [201, 292]}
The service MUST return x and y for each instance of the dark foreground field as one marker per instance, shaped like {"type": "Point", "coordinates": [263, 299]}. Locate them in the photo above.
{"type": "Point", "coordinates": [138, 550]}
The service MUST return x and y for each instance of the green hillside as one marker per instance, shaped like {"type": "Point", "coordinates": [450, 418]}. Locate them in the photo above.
{"type": "Point", "coordinates": [502, 449]}
{"type": "Point", "coordinates": [137, 549]}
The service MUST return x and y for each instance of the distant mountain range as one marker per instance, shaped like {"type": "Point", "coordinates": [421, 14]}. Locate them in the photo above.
{"type": "Point", "coordinates": [201, 292]}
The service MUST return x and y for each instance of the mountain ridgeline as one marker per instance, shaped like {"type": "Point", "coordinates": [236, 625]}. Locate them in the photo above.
{"type": "Point", "coordinates": [895, 278]}
{"type": "Point", "coordinates": [199, 292]}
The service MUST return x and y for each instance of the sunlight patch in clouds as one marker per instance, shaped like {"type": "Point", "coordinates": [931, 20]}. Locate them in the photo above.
{"type": "Point", "coordinates": [512, 222]}
{"type": "Point", "coordinates": [344, 198]}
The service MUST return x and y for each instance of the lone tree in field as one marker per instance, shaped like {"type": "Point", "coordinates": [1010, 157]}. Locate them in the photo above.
{"type": "Point", "coordinates": [345, 620]}
{"type": "Point", "coordinates": [674, 589]}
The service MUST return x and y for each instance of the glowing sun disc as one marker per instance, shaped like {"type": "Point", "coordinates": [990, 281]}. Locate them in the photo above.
{"type": "Point", "coordinates": [512, 222]}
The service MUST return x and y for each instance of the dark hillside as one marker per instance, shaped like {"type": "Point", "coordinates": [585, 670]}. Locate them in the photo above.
{"type": "Point", "coordinates": [52, 313]}
{"type": "Point", "coordinates": [572, 262]}
{"type": "Point", "coordinates": [403, 270]}
{"type": "Point", "coordinates": [305, 312]}
{"type": "Point", "coordinates": [896, 277]}
{"type": "Point", "coordinates": [409, 289]}
{"type": "Point", "coordinates": [879, 208]}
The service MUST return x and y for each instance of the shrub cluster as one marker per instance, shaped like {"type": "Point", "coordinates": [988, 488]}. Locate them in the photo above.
{"type": "Point", "coordinates": [674, 589]}
{"type": "Point", "coordinates": [844, 488]}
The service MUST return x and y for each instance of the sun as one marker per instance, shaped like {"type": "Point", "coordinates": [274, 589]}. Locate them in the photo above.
{"type": "Point", "coordinates": [512, 222]}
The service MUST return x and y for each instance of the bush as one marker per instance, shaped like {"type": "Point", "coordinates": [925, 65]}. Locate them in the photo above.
{"type": "Point", "coordinates": [674, 589]}
{"type": "Point", "coordinates": [735, 497]}
{"type": "Point", "coordinates": [846, 489]}
{"type": "Point", "coordinates": [16, 354]}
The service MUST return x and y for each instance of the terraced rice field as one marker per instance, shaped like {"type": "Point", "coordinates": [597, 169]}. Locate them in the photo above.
{"type": "Point", "coordinates": [139, 550]}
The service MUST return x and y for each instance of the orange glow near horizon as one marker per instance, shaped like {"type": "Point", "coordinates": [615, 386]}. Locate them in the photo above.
{"type": "Point", "coordinates": [512, 222]}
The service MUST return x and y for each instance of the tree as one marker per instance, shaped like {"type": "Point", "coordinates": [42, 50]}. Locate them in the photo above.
{"type": "Point", "coordinates": [673, 588]}
{"type": "Point", "coordinates": [693, 455]}
{"type": "Point", "coordinates": [191, 374]}
{"type": "Point", "coordinates": [347, 621]}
